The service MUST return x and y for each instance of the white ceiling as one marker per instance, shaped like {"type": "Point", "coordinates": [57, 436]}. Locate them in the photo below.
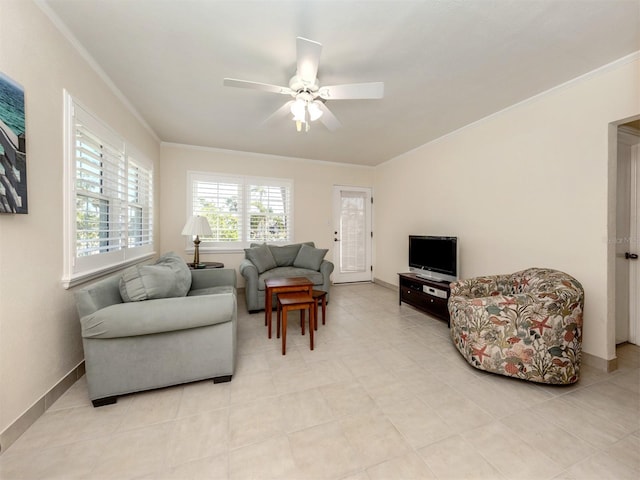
{"type": "Point", "coordinates": [444, 63]}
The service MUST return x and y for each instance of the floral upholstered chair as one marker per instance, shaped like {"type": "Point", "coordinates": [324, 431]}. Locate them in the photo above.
{"type": "Point", "coordinates": [526, 325]}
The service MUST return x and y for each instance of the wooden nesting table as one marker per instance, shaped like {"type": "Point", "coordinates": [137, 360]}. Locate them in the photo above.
{"type": "Point", "coordinates": [278, 285]}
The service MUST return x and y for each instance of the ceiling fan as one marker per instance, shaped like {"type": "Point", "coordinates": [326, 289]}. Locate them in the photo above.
{"type": "Point", "coordinates": [309, 97]}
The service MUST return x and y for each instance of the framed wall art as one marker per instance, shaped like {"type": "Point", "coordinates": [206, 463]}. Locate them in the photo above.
{"type": "Point", "coordinates": [13, 156]}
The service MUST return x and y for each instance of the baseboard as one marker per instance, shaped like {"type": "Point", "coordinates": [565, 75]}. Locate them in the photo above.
{"type": "Point", "coordinates": [599, 363]}
{"type": "Point", "coordinates": [384, 284]}
{"type": "Point", "coordinates": [24, 421]}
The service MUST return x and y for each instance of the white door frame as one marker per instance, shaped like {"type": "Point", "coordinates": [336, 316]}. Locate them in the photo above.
{"type": "Point", "coordinates": [627, 270]}
{"type": "Point", "coordinates": [340, 276]}
{"type": "Point", "coordinates": [634, 248]}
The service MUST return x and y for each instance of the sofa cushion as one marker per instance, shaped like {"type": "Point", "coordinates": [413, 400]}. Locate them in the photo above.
{"type": "Point", "coordinates": [310, 257]}
{"type": "Point", "coordinates": [316, 277]}
{"type": "Point", "coordinates": [212, 290]}
{"type": "Point", "coordinates": [261, 257]}
{"type": "Point", "coordinates": [168, 277]}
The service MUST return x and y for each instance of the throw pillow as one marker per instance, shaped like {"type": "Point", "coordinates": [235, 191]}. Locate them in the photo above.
{"type": "Point", "coordinates": [285, 255]}
{"type": "Point", "coordinates": [261, 257]}
{"type": "Point", "coordinates": [168, 277]}
{"type": "Point", "coordinates": [310, 257]}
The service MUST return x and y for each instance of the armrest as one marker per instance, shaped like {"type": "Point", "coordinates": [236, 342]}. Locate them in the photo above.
{"type": "Point", "coordinates": [482, 286]}
{"type": "Point", "coordinates": [212, 277]}
{"type": "Point", "coordinates": [248, 270]}
{"type": "Point", "coordinates": [159, 316]}
{"type": "Point", "coordinates": [326, 267]}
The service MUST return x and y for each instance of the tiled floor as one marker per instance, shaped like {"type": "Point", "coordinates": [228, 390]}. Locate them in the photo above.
{"type": "Point", "coordinates": [383, 396]}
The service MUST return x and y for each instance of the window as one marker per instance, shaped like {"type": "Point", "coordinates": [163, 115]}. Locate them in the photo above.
{"type": "Point", "coordinates": [109, 196]}
{"type": "Point", "coordinates": [241, 210]}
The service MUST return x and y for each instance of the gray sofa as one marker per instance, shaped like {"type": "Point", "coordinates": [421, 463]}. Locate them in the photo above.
{"type": "Point", "coordinates": [162, 339]}
{"type": "Point", "coordinates": [270, 261]}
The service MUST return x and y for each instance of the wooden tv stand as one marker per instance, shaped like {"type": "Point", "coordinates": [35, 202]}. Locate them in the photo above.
{"type": "Point", "coordinates": [414, 291]}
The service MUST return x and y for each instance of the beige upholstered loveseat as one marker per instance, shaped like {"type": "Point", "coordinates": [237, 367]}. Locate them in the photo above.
{"type": "Point", "coordinates": [526, 325]}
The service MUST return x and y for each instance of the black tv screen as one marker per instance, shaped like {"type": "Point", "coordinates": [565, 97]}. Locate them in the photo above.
{"type": "Point", "coordinates": [434, 257]}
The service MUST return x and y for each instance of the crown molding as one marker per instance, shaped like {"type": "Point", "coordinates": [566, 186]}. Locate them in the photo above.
{"type": "Point", "coordinates": [633, 57]}
{"type": "Point", "coordinates": [86, 56]}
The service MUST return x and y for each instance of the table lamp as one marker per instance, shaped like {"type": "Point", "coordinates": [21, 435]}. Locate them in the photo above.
{"type": "Point", "coordinates": [197, 225]}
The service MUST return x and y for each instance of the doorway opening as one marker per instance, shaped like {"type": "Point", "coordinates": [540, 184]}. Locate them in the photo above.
{"type": "Point", "coordinates": [627, 241]}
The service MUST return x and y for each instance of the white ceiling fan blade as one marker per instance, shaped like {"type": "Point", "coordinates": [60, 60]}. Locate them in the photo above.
{"type": "Point", "coordinates": [353, 91]}
{"type": "Point", "coordinates": [329, 119]}
{"type": "Point", "coordinates": [283, 111]}
{"type": "Point", "coordinates": [265, 87]}
{"type": "Point", "coordinates": [308, 53]}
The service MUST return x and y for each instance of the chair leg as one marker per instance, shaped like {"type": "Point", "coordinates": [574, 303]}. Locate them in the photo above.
{"type": "Point", "coordinates": [222, 379]}
{"type": "Point", "coordinates": [302, 320]}
{"type": "Point", "coordinates": [324, 310]}
{"type": "Point", "coordinates": [101, 402]}
{"type": "Point", "coordinates": [312, 323]}
{"type": "Point", "coordinates": [284, 330]}
{"type": "Point", "coordinates": [278, 312]}
{"type": "Point", "coordinates": [315, 310]}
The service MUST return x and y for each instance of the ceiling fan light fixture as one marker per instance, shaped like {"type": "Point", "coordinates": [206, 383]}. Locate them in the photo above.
{"type": "Point", "coordinates": [299, 126]}
{"type": "Point", "coordinates": [314, 111]}
{"type": "Point", "coordinates": [298, 109]}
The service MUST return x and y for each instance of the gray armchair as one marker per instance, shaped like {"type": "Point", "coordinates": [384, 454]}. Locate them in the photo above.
{"type": "Point", "coordinates": [141, 345]}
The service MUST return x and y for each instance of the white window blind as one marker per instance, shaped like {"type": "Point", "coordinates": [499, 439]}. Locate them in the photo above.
{"type": "Point", "coordinates": [241, 210]}
{"type": "Point", "coordinates": [220, 201]}
{"type": "Point", "coordinates": [269, 205]}
{"type": "Point", "coordinates": [100, 190]}
{"type": "Point", "coordinates": [110, 197]}
{"type": "Point", "coordinates": [140, 198]}
{"type": "Point", "coordinates": [353, 231]}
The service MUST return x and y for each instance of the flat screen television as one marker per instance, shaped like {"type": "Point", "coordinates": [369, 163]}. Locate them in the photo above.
{"type": "Point", "coordinates": [434, 257]}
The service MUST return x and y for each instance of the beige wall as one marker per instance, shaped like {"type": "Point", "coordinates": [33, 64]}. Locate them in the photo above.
{"type": "Point", "coordinates": [39, 331]}
{"type": "Point", "coordinates": [525, 187]}
{"type": "Point", "coordinates": [313, 182]}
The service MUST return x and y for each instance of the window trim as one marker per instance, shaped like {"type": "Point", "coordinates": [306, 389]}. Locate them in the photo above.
{"type": "Point", "coordinates": [244, 180]}
{"type": "Point", "coordinates": [94, 266]}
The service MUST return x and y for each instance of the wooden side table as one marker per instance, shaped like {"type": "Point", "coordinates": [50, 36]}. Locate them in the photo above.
{"type": "Point", "coordinates": [295, 301]}
{"type": "Point", "coordinates": [278, 285]}
{"type": "Point", "coordinates": [206, 265]}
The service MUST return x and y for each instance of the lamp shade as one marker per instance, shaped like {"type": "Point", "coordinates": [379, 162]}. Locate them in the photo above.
{"type": "Point", "coordinates": [197, 225]}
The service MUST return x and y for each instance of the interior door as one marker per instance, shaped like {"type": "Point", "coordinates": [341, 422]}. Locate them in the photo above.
{"type": "Point", "coordinates": [352, 234]}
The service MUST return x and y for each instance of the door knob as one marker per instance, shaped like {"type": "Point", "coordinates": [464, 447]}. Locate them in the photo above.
{"type": "Point", "coordinates": [630, 256]}
{"type": "Point", "coordinates": [336, 240]}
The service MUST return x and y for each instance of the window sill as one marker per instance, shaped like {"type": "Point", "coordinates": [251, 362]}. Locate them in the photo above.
{"type": "Point", "coordinates": [84, 277]}
{"type": "Point", "coordinates": [214, 250]}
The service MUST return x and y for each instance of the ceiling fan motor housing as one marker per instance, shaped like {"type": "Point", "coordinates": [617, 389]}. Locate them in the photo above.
{"type": "Point", "coordinates": [298, 85]}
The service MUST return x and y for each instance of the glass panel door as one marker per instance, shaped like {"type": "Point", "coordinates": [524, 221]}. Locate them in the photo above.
{"type": "Point", "coordinates": [352, 234]}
